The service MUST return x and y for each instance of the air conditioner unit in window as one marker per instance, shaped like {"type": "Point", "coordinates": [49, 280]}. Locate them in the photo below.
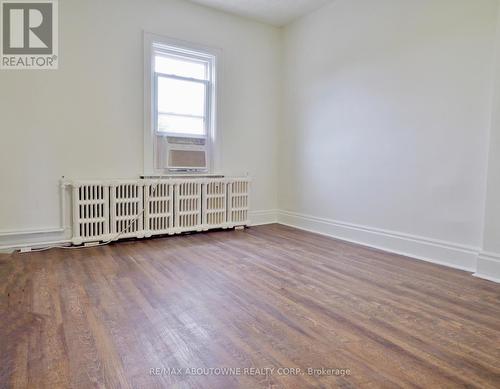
{"type": "Point", "coordinates": [185, 154]}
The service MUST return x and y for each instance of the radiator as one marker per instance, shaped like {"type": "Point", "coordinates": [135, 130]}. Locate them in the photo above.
{"type": "Point", "coordinates": [119, 209]}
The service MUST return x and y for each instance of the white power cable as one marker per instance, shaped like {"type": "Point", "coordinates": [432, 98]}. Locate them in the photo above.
{"type": "Point", "coordinates": [116, 237]}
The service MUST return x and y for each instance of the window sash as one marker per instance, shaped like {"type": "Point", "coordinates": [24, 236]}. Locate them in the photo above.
{"type": "Point", "coordinates": [186, 126]}
{"type": "Point", "coordinates": [190, 58]}
{"type": "Point", "coordinates": [205, 117]}
{"type": "Point", "coordinates": [183, 54]}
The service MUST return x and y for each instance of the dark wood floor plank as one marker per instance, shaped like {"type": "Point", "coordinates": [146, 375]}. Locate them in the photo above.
{"type": "Point", "coordinates": [266, 297]}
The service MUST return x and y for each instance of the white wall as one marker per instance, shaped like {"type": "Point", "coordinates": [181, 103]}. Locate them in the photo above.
{"type": "Point", "coordinates": [489, 260]}
{"type": "Point", "coordinates": [85, 120]}
{"type": "Point", "coordinates": [387, 110]}
{"type": "Point", "coordinates": [492, 214]}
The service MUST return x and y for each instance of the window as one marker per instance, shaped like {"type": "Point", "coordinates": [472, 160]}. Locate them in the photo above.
{"type": "Point", "coordinates": [180, 100]}
{"type": "Point", "coordinates": [182, 86]}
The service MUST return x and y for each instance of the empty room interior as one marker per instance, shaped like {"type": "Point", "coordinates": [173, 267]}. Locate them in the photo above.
{"type": "Point", "coordinates": [250, 194]}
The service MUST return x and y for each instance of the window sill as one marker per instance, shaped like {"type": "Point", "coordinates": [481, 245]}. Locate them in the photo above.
{"type": "Point", "coordinates": [182, 175]}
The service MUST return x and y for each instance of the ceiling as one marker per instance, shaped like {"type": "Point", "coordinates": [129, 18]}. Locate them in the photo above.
{"type": "Point", "coordinates": [276, 12]}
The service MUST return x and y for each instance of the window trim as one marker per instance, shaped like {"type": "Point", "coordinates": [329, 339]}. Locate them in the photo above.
{"type": "Point", "coordinates": [213, 130]}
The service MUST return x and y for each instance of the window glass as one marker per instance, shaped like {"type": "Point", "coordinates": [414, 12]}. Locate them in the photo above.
{"type": "Point", "coordinates": [182, 125]}
{"type": "Point", "coordinates": [181, 97]}
{"type": "Point", "coordinates": [181, 67]}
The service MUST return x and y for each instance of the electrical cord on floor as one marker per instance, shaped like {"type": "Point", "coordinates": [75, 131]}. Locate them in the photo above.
{"type": "Point", "coordinates": [116, 237]}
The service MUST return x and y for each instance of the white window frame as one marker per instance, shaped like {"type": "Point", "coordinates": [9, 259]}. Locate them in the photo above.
{"type": "Point", "coordinates": [151, 136]}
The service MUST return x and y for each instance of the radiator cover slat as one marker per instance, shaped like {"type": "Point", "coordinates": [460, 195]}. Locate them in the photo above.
{"type": "Point", "coordinates": [101, 210]}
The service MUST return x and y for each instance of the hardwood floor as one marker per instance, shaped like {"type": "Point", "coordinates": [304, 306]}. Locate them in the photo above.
{"type": "Point", "coordinates": [266, 297]}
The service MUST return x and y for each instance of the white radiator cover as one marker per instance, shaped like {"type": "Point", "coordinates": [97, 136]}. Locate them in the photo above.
{"type": "Point", "coordinates": [102, 210]}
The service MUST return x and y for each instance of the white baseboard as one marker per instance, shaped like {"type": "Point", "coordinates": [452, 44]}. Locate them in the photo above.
{"type": "Point", "coordinates": [431, 250]}
{"type": "Point", "coordinates": [13, 240]}
{"type": "Point", "coordinates": [468, 258]}
{"type": "Point", "coordinates": [268, 216]}
{"type": "Point", "coordinates": [488, 266]}
{"type": "Point", "coordinates": [34, 245]}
